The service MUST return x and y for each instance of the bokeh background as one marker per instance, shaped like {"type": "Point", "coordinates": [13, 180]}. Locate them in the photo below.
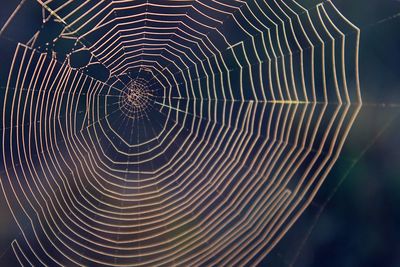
{"type": "Point", "coordinates": [355, 218]}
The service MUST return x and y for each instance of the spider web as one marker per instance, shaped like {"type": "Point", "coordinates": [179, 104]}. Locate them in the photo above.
{"type": "Point", "coordinates": [170, 132]}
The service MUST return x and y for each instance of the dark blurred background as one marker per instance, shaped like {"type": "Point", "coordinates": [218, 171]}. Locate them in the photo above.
{"type": "Point", "coordinates": [355, 218]}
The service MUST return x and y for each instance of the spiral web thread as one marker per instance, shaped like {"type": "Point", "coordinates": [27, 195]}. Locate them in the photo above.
{"type": "Point", "coordinates": [162, 132]}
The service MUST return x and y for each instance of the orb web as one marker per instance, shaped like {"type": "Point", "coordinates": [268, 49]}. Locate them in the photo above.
{"type": "Point", "coordinates": [161, 132]}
